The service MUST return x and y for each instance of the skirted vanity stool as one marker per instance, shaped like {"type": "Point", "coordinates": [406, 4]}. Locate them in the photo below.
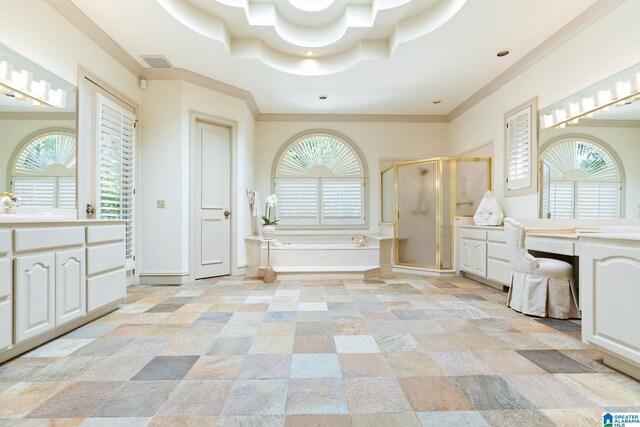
{"type": "Point", "coordinates": [542, 287]}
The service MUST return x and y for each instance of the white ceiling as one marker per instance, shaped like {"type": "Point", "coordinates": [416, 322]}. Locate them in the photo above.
{"type": "Point", "coordinates": [452, 60]}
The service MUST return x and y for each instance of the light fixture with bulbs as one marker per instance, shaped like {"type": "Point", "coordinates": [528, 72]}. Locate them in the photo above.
{"type": "Point", "coordinates": [624, 91]}
{"type": "Point", "coordinates": [20, 85]}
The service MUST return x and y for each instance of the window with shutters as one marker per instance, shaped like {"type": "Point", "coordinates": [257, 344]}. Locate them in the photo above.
{"type": "Point", "coordinates": [585, 180]}
{"type": "Point", "coordinates": [44, 171]}
{"type": "Point", "coordinates": [521, 143]}
{"type": "Point", "coordinates": [319, 181]}
{"type": "Point", "coordinates": [116, 161]}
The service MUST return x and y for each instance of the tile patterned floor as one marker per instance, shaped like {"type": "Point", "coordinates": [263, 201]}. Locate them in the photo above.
{"type": "Point", "coordinates": [395, 350]}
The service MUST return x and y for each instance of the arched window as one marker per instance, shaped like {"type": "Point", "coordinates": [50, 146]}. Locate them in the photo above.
{"type": "Point", "coordinates": [585, 180]}
{"type": "Point", "coordinates": [44, 171]}
{"type": "Point", "coordinates": [319, 181]}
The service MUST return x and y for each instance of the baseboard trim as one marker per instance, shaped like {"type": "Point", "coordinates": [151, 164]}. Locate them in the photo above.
{"type": "Point", "coordinates": [164, 279]}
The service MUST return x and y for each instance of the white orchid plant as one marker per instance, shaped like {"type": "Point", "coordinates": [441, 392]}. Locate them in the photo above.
{"type": "Point", "coordinates": [270, 211]}
{"type": "Point", "coordinates": [8, 200]}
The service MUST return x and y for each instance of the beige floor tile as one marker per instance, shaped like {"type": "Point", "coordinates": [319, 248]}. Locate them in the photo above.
{"type": "Point", "coordinates": [215, 368]}
{"type": "Point", "coordinates": [20, 399]}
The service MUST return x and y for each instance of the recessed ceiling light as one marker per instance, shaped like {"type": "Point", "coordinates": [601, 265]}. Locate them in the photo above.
{"type": "Point", "coordinates": [437, 101]}
{"type": "Point", "coordinates": [503, 52]}
{"type": "Point", "coordinates": [310, 53]}
{"type": "Point", "coordinates": [322, 97]}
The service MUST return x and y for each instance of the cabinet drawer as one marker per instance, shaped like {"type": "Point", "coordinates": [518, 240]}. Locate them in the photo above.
{"type": "Point", "coordinates": [105, 233]}
{"type": "Point", "coordinates": [554, 246]}
{"type": "Point", "coordinates": [469, 233]}
{"type": "Point", "coordinates": [498, 251]}
{"type": "Point", "coordinates": [6, 281]}
{"type": "Point", "coordinates": [45, 238]}
{"type": "Point", "coordinates": [102, 290]}
{"type": "Point", "coordinates": [6, 323]}
{"type": "Point", "coordinates": [499, 271]}
{"type": "Point", "coordinates": [104, 258]}
{"type": "Point", "coordinates": [5, 242]}
{"type": "Point", "coordinates": [496, 236]}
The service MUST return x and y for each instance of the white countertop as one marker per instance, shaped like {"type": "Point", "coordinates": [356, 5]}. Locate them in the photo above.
{"type": "Point", "coordinates": [7, 220]}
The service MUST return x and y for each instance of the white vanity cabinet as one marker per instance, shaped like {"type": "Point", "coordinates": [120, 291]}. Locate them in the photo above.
{"type": "Point", "coordinates": [610, 293]}
{"type": "Point", "coordinates": [56, 276]}
{"type": "Point", "coordinates": [6, 291]}
{"type": "Point", "coordinates": [473, 251]}
{"type": "Point", "coordinates": [71, 295]}
{"type": "Point", "coordinates": [35, 295]}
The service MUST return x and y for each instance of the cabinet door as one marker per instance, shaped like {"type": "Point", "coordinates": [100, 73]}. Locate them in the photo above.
{"type": "Point", "coordinates": [35, 295]}
{"type": "Point", "coordinates": [480, 258]}
{"type": "Point", "coordinates": [70, 286]}
{"type": "Point", "coordinates": [466, 255]}
{"type": "Point", "coordinates": [6, 304]}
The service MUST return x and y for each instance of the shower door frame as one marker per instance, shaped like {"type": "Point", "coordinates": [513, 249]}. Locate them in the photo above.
{"type": "Point", "coordinates": [439, 203]}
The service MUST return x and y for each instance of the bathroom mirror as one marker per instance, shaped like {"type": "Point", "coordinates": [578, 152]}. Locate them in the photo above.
{"type": "Point", "coordinates": [37, 136]}
{"type": "Point", "coordinates": [589, 151]}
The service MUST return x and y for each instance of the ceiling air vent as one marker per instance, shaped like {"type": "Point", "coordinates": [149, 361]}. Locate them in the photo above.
{"type": "Point", "coordinates": [157, 61]}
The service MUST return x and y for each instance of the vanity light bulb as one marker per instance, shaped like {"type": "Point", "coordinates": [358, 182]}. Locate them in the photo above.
{"type": "Point", "coordinates": [41, 89]}
{"type": "Point", "coordinates": [588, 104]}
{"type": "Point", "coordinates": [25, 81]}
{"type": "Point", "coordinates": [604, 97]}
{"type": "Point", "coordinates": [574, 109]}
{"type": "Point", "coordinates": [561, 115]}
{"type": "Point", "coordinates": [6, 71]}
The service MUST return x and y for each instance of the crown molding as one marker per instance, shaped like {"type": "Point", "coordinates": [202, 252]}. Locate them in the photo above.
{"type": "Point", "coordinates": [77, 18]}
{"type": "Point", "coordinates": [203, 81]}
{"type": "Point", "coordinates": [387, 118]}
{"type": "Point", "coordinates": [27, 115]}
{"type": "Point", "coordinates": [592, 14]}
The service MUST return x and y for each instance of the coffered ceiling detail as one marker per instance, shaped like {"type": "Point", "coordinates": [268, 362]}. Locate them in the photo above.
{"type": "Point", "coordinates": [312, 37]}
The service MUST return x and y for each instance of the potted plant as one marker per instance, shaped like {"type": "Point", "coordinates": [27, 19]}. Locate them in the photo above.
{"type": "Point", "coordinates": [8, 201]}
{"type": "Point", "coordinates": [269, 220]}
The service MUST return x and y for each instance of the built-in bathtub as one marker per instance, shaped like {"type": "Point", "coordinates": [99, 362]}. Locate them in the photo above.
{"type": "Point", "coordinates": [317, 256]}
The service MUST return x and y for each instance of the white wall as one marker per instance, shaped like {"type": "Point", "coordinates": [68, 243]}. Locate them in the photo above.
{"type": "Point", "coordinates": [165, 122]}
{"type": "Point", "coordinates": [374, 140]}
{"type": "Point", "coordinates": [605, 48]}
{"type": "Point", "coordinates": [625, 143]}
{"type": "Point", "coordinates": [15, 132]}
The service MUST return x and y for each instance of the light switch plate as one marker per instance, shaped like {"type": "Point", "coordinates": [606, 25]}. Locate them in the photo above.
{"type": "Point", "coordinates": [160, 204]}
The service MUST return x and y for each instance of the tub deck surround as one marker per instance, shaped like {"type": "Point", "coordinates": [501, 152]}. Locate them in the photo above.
{"type": "Point", "coordinates": [56, 274]}
{"type": "Point", "coordinates": [315, 256]}
{"type": "Point", "coordinates": [395, 350]}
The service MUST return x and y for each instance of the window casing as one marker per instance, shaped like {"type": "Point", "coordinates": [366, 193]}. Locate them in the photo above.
{"type": "Point", "coordinates": [521, 149]}
{"type": "Point", "coordinates": [585, 180]}
{"type": "Point", "coordinates": [43, 174]}
{"type": "Point", "coordinates": [320, 182]}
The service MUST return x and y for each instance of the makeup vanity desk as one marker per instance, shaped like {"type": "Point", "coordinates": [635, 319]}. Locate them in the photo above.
{"type": "Point", "coordinates": [606, 262]}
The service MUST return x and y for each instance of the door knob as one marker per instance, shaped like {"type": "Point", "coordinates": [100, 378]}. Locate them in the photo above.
{"type": "Point", "coordinates": [226, 214]}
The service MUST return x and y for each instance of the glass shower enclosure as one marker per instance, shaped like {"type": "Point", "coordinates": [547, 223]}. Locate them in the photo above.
{"type": "Point", "coordinates": [428, 195]}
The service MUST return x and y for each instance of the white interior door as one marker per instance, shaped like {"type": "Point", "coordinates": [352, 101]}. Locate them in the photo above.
{"type": "Point", "coordinates": [211, 184]}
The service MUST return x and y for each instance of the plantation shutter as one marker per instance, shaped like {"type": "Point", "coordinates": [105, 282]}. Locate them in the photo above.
{"type": "Point", "coordinates": [297, 201]}
{"type": "Point", "coordinates": [36, 192]}
{"type": "Point", "coordinates": [519, 149]}
{"type": "Point", "coordinates": [67, 192]}
{"type": "Point", "coordinates": [598, 200]}
{"type": "Point", "coordinates": [561, 200]}
{"type": "Point", "coordinates": [342, 201]}
{"type": "Point", "coordinates": [116, 160]}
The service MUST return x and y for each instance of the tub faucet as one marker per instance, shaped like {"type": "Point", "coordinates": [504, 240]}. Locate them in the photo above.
{"type": "Point", "coordinates": [360, 240]}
